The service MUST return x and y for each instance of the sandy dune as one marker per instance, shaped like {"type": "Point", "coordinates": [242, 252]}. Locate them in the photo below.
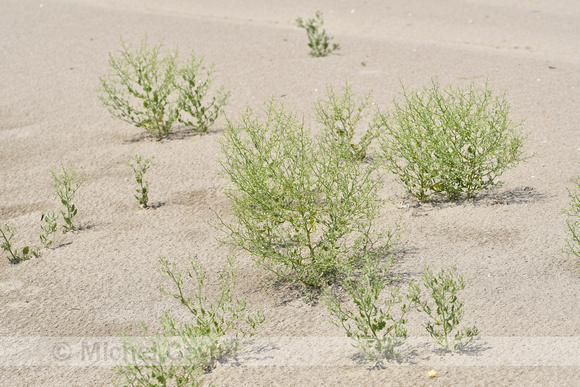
{"type": "Point", "coordinates": [522, 291]}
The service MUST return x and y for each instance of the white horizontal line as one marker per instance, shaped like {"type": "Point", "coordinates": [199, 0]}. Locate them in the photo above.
{"type": "Point", "coordinates": [302, 351]}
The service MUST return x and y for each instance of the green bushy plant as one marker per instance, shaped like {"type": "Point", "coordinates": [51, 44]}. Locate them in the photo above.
{"type": "Point", "coordinates": [573, 219]}
{"type": "Point", "coordinates": [340, 115]}
{"type": "Point", "coordinates": [450, 142]}
{"type": "Point", "coordinates": [318, 41]}
{"type": "Point", "coordinates": [48, 228]}
{"type": "Point", "coordinates": [447, 312]}
{"type": "Point", "coordinates": [139, 85]}
{"type": "Point", "coordinates": [148, 88]}
{"type": "Point", "coordinates": [304, 206]}
{"type": "Point", "coordinates": [376, 330]}
{"type": "Point", "coordinates": [182, 353]}
{"type": "Point", "coordinates": [140, 167]}
{"type": "Point", "coordinates": [66, 183]}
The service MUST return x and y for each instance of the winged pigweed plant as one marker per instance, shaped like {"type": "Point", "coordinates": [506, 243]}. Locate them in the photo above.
{"type": "Point", "coordinates": [318, 41]}
{"type": "Point", "coordinates": [450, 142]}
{"type": "Point", "coordinates": [173, 357]}
{"type": "Point", "coordinates": [305, 207]}
{"type": "Point", "coordinates": [192, 91]}
{"type": "Point", "coordinates": [150, 89]}
{"type": "Point", "coordinates": [139, 85]}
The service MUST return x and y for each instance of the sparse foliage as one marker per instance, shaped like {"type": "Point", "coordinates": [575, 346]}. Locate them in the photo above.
{"type": "Point", "coordinates": [192, 91]}
{"type": "Point", "coordinates": [48, 228]}
{"type": "Point", "coordinates": [215, 319]}
{"type": "Point", "coordinates": [139, 85]}
{"type": "Point", "coordinates": [573, 219]}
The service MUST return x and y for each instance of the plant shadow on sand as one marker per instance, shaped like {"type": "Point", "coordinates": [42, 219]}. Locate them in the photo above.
{"type": "Point", "coordinates": [251, 352]}
{"type": "Point", "coordinates": [493, 196]}
{"type": "Point", "coordinates": [179, 133]}
{"type": "Point", "coordinates": [519, 195]}
{"type": "Point", "coordinates": [415, 354]}
{"type": "Point", "coordinates": [291, 291]}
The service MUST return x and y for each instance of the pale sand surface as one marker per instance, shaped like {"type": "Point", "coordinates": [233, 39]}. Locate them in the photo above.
{"type": "Point", "coordinates": [103, 279]}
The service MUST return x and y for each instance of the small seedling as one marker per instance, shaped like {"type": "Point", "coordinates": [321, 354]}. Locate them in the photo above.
{"type": "Point", "coordinates": [450, 142]}
{"type": "Point", "coordinates": [140, 167]}
{"type": "Point", "coordinates": [376, 330]}
{"type": "Point", "coordinates": [448, 311]}
{"type": "Point", "coordinates": [48, 228]}
{"type": "Point", "coordinates": [6, 245]}
{"type": "Point", "coordinates": [66, 183]}
{"type": "Point", "coordinates": [318, 41]}
{"type": "Point", "coordinates": [181, 354]}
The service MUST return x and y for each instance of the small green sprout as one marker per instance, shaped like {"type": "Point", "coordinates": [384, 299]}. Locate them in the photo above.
{"type": "Point", "coordinates": [140, 167]}
{"type": "Point", "coordinates": [66, 183]}
{"type": "Point", "coordinates": [318, 41]}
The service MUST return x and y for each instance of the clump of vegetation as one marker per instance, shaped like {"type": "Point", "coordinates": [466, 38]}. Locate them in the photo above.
{"type": "Point", "coordinates": [447, 313]}
{"type": "Point", "coordinates": [305, 207]}
{"type": "Point", "coordinates": [7, 233]}
{"type": "Point", "coordinates": [377, 330]}
{"type": "Point", "coordinates": [318, 41]}
{"type": "Point", "coordinates": [181, 354]}
{"type": "Point", "coordinates": [151, 90]}
{"type": "Point", "coordinates": [66, 184]}
{"type": "Point", "coordinates": [450, 142]}
{"type": "Point", "coordinates": [340, 116]}
{"type": "Point", "coordinates": [140, 167]}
